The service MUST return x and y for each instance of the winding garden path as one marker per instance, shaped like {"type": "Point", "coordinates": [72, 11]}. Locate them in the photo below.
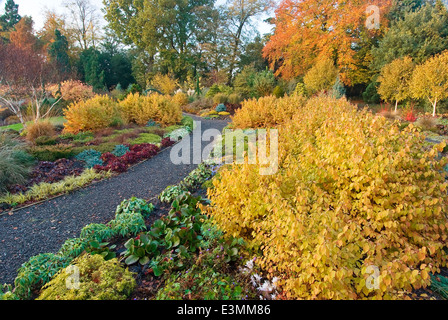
{"type": "Point", "coordinates": [44, 227]}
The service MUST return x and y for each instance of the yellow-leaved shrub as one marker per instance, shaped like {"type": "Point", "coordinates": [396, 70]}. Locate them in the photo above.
{"type": "Point", "coordinates": [99, 279]}
{"type": "Point", "coordinates": [93, 114]}
{"type": "Point", "coordinates": [180, 99]}
{"type": "Point", "coordinates": [140, 109]}
{"type": "Point", "coordinates": [266, 111]}
{"type": "Point", "coordinates": [357, 210]}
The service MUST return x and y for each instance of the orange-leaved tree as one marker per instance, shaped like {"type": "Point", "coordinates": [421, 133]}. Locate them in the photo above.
{"type": "Point", "coordinates": [307, 29]}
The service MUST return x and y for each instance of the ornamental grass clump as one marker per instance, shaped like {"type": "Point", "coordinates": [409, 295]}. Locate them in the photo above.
{"type": "Point", "coordinates": [15, 162]}
{"type": "Point", "coordinates": [356, 210]}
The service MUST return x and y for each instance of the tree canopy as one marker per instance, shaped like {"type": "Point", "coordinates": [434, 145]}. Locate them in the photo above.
{"type": "Point", "coordinates": [394, 80]}
{"type": "Point", "coordinates": [11, 16]}
{"type": "Point", "coordinates": [430, 80]}
{"type": "Point", "coordinates": [419, 34]}
{"type": "Point", "coordinates": [308, 29]}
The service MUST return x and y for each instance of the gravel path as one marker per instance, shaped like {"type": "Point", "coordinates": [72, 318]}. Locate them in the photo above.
{"type": "Point", "coordinates": [44, 227]}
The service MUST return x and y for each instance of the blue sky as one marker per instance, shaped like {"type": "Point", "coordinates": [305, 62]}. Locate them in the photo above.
{"type": "Point", "coordinates": [36, 9]}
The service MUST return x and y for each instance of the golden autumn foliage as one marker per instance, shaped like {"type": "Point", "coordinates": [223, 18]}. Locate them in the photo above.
{"type": "Point", "coordinates": [266, 111]}
{"type": "Point", "coordinates": [352, 191]}
{"type": "Point", "coordinates": [22, 37]}
{"type": "Point", "coordinates": [394, 80]}
{"type": "Point", "coordinates": [165, 83]}
{"type": "Point", "coordinates": [93, 114]}
{"type": "Point", "coordinates": [322, 76]}
{"type": "Point", "coordinates": [140, 109]}
{"type": "Point", "coordinates": [430, 80]}
{"type": "Point", "coordinates": [180, 99]}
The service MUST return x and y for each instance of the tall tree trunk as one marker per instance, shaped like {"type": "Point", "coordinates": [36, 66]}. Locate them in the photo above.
{"type": "Point", "coordinates": [396, 105]}
{"type": "Point", "coordinates": [434, 108]}
{"type": "Point", "coordinates": [233, 61]}
{"type": "Point", "coordinates": [236, 46]}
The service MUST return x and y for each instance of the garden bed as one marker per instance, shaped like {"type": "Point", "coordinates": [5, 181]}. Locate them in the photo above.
{"type": "Point", "coordinates": [139, 144]}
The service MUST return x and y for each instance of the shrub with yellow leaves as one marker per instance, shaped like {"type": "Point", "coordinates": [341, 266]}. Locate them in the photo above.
{"type": "Point", "coordinates": [140, 109]}
{"type": "Point", "coordinates": [165, 83]}
{"type": "Point", "coordinates": [266, 111]}
{"type": "Point", "coordinates": [353, 194]}
{"type": "Point", "coordinates": [93, 114]}
{"type": "Point", "coordinates": [180, 99]}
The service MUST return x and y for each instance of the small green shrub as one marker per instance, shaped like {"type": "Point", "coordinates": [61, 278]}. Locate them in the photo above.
{"type": "Point", "coordinates": [120, 150]}
{"type": "Point", "coordinates": [214, 89]}
{"type": "Point", "coordinates": [99, 280]}
{"type": "Point", "coordinates": [126, 224]}
{"type": "Point", "coordinates": [72, 247]}
{"type": "Point", "coordinates": [90, 157]}
{"type": "Point", "coordinates": [97, 231]}
{"type": "Point", "coordinates": [52, 153]}
{"type": "Point", "coordinates": [45, 141]}
{"type": "Point", "coordinates": [101, 248]}
{"type": "Point", "coordinates": [197, 177]}
{"type": "Point", "coordinates": [135, 205]}
{"type": "Point", "coordinates": [178, 134]}
{"type": "Point", "coordinates": [171, 192]}
{"type": "Point", "coordinates": [83, 137]}
{"type": "Point", "coordinates": [188, 122]}
{"type": "Point", "coordinates": [146, 138]}
{"type": "Point", "coordinates": [171, 240]}
{"type": "Point", "coordinates": [221, 108]}
{"type": "Point", "coordinates": [37, 271]}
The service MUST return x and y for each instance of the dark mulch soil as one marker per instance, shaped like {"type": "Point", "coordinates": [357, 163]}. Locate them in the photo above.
{"type": "Point", "coordinates": [44, 227]}
{"type": "Point", "coordinates": [49, 172]}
